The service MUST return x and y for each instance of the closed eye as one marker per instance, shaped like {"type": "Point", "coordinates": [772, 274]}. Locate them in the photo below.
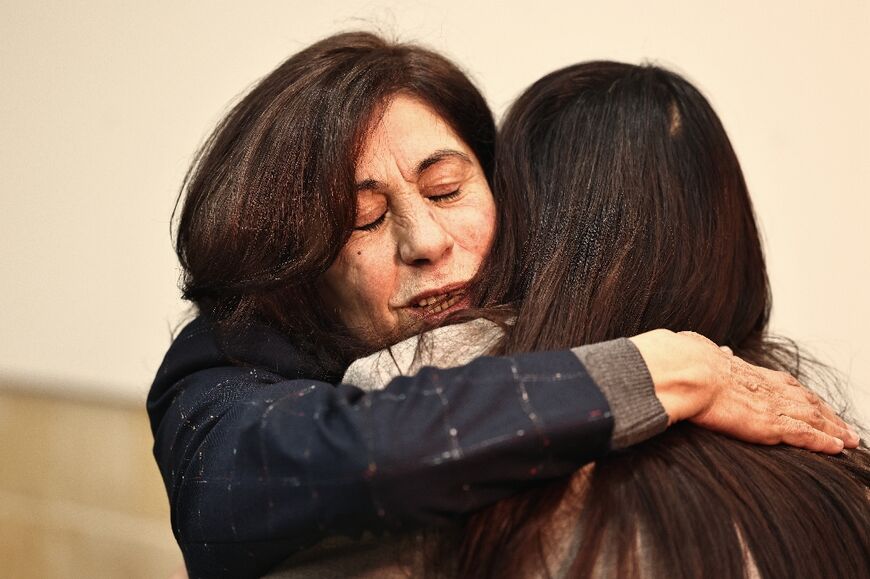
{"type": "Point", "coordinates": [374, 225]}
{"type": "Point", "coordinates": [446, 197]}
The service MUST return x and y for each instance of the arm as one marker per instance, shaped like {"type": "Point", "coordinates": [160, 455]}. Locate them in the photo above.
{"type": "Point", "coordinates": [650, 381]}
{"type": "Point", "coordinates": [666, 377]}
{"type": "Point", "coordinates": [258, 467]}
{"type": "Point", "coordinates": [616, 366]}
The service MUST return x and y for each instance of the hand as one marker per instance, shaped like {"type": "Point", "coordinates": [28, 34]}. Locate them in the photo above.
{"type": "Point", "coordinates": [697, 381]}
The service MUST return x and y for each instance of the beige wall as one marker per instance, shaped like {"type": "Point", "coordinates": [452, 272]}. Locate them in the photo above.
{"type": "Point", "coordinates": [79, 493]}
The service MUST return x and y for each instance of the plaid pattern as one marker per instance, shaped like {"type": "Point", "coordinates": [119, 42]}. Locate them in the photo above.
{"type": "Point", "coordinates": [260, 462]}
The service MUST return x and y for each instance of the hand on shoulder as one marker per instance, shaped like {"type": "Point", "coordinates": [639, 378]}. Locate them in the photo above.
{"type": "Point", "coordinates": [695, 380]}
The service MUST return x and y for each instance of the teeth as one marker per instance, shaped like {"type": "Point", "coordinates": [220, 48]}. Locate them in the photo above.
{"type": "Point", "coordinates": [441, 302]}
{"type": "Point", "coordinates": [429, 301]}
{"type": "Point", "coordinates": [443, 305]}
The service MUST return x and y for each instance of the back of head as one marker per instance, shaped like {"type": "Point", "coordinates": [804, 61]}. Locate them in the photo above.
{"type": "Point", "coordinates": [624, 199]}
{"type": "Point", "coordinates": [624, 209]}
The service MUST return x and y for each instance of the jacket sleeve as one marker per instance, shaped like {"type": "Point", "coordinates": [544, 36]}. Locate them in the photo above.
{"type": "Point", "coordinates": [258, 467]}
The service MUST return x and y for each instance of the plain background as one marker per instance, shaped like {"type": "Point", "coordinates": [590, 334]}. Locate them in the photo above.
{"type": "Point", "coordinates": [102, 105]}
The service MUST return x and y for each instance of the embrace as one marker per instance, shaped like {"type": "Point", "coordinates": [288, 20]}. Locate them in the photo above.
{"type": "Point", "coordinates": [424, 347]}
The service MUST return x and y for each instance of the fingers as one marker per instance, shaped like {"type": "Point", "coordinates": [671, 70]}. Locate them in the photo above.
{"type": "Point", "coordinates": [813, 400]}
{"type": "Point", "coordinates": [813, 416]}
{"type": "Point", "coordinates": [802, 404]}
{"type": "Point", "coordinates": [727, 350]}
{"type": "Point", "coordinates": [801, 435]}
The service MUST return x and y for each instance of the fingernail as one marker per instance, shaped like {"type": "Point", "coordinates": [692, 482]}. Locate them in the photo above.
{"type": "Point", "coordinates": [855, 436]}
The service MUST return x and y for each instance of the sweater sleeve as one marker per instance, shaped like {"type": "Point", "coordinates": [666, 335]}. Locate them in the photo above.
{"type": "Point", "coordinates": [622, 375]}
{"type": "Point", "coordinates": [258, 467]}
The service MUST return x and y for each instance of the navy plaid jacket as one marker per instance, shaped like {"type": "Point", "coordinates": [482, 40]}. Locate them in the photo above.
{"type": "Point", "coordinates": [266, 457]}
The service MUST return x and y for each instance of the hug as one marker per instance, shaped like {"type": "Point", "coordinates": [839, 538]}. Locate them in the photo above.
{"type": "Point", "coordinates": [425, 349]}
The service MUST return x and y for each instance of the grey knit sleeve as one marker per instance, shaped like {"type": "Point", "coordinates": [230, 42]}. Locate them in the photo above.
{"type": "Point", "coordinates": [622, 376]}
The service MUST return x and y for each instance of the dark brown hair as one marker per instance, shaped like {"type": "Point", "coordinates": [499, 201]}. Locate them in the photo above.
{"type": "Point", "coordinates": [269, 199]}
{"type": "Point", "coordinates": [626, 210]}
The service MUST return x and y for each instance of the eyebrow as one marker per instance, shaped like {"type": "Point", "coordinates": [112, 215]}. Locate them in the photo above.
{"type": "Point", "coordinates": [433, 159]}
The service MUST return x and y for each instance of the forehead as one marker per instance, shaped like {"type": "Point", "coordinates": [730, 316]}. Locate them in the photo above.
{"type": "Point", "coordinates": [407, 132]}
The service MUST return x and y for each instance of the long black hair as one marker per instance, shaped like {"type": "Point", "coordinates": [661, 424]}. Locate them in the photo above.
{"type": "Point", "coordinates": [624, 209]}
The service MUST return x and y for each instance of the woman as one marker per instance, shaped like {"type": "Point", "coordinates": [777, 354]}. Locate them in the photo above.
{"type": "Point", "coordinates": [633, 214]}
{"type": "Point", "coordinates": [262, 455]}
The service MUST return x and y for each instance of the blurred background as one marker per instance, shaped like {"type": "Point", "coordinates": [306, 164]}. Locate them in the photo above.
{"type": "Point", "coordinates": [102, 105]}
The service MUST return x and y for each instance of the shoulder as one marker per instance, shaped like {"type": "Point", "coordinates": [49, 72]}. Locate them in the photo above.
{"type": "Point", "coordinates": [444, 347]}
{"type": "Point", "coordinates": [480, 334]}
{"type": "Point", "coordinates": [198, 360]}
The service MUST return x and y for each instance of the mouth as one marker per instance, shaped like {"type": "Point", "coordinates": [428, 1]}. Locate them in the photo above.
{"type": "Point", "coordinates": [439, 303]}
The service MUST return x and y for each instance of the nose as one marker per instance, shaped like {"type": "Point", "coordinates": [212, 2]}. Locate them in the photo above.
{"type": "Point", "coordinates": [423, 239]}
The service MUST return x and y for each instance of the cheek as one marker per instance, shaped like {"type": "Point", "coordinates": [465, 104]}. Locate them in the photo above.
{"type": "Point", "coordinates": [474, 227]}
{"type": "Point", "coordinates": [359, 282]}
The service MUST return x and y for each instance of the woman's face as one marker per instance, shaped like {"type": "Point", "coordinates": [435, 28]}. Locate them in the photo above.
{"type": "Point", "coordinates": [425, 220]}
